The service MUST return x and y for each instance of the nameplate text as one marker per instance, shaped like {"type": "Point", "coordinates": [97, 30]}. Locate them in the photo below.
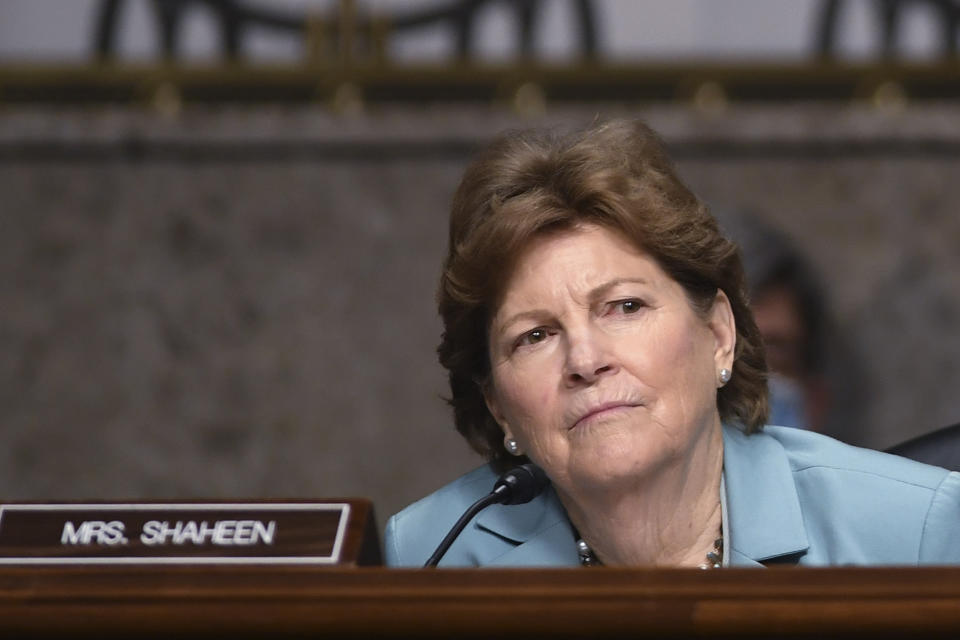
{"type": "Point", "coordinates": [173, 533]}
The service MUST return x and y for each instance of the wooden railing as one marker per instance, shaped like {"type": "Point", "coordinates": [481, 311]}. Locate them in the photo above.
{"type": "Point", "coordinates": [529, 87]}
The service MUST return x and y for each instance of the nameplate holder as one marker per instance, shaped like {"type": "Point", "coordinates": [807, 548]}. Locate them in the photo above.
{"type": "Point", "coordinates": [335, 532]}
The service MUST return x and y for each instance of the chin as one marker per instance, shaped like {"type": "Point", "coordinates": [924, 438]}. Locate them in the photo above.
{"type": "Point", "coordinates": [611, 464]}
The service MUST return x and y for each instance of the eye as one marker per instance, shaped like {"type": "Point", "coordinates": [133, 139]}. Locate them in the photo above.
{"type": "Point", "coordinates": [532, 337]}
{"type": "Point", "coordinates": [630, 305]}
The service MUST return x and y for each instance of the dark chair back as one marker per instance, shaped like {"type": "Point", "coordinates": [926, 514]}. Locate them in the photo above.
{"type": "Point", "coordinates": [940, 447]}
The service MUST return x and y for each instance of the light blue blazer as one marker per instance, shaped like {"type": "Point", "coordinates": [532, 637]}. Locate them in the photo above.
{"type": "Point", "coordinates": [792, 497]}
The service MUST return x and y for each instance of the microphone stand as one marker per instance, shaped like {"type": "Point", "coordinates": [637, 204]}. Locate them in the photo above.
{"type": "Point", "coordinates": [517, 486]}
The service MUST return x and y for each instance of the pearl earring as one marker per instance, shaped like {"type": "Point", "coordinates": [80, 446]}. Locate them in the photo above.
{"type": "Point", "coordinates": [512, 447]}
{"type": "Point", "coordinates": [725, 376]}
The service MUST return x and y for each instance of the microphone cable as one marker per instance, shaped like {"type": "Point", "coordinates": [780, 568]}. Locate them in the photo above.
{"type": "Point", "coordinates": [517, 486]}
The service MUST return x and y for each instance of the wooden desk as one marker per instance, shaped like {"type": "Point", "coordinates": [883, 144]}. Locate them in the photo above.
{"type": "Point", "coordinates": [339, 602]}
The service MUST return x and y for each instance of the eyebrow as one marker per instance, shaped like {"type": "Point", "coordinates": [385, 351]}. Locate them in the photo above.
{"type": "Point", "coordinates": [593, 295]}
{"type": "Point", "coordinates": [599, 292]}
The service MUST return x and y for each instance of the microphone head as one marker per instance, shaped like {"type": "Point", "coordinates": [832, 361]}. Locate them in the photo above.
{"type": "Point", "coordinates": [521, 484]}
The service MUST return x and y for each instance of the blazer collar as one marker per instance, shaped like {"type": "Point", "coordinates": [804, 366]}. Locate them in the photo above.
{"type": "Point", "coordinates": [541, 528]}
{"type": "Point", "coordinates": [763, 508]}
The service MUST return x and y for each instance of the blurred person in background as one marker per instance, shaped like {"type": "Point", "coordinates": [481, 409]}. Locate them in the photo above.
{"type": "Point", "coordinates": [789, 307]}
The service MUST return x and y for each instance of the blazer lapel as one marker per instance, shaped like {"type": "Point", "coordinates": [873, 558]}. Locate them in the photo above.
{"type": "Point", "coordinates": [540, 528]}
{"type": "Point", "coordinates": [764, 513]}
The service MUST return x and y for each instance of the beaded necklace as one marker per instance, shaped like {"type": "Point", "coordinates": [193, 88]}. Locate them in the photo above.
{"type": "Point", "coordinates": [714, 556]}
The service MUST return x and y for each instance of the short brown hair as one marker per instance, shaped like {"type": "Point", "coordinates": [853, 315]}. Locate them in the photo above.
{"type": "Point", "coordinates": [616, 175]}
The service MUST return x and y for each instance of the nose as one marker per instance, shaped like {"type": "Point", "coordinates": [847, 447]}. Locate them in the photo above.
{"type": "Point", "coordinates": [589, 358]}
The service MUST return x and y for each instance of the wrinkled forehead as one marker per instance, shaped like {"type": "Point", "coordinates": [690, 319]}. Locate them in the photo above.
{"type": "Point", "coordinates": [513, 260]}
{"type": "Point", "coordinates": [571, 261]}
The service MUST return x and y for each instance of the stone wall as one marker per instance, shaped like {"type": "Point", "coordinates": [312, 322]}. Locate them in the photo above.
{"type": "Point", "coordinates": [240, 302]}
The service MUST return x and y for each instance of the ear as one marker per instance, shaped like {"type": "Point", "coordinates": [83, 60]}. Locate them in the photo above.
{"type": "Point", "coordinates": [493, 406]}
{"type": "Point", "coordinates": [724, 328]}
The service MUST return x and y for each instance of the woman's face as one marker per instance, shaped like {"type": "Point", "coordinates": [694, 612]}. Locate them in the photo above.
{"type": "Point", "coordinates": [601, 368]}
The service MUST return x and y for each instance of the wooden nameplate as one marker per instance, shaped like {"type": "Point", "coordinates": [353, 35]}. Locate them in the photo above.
{"type": "Point", "coordinates": [252, 532]}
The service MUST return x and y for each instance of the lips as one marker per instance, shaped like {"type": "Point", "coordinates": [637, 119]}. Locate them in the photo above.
{"type": "Point", "coordinates": [597, 409]}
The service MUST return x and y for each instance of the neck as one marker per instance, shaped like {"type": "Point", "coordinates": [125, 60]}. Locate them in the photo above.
{"type": "Point", "coordinates": [669, 517]}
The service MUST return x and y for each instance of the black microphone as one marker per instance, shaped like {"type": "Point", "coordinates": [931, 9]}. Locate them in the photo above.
{"type": "Point", "coordinates": [517, 486]}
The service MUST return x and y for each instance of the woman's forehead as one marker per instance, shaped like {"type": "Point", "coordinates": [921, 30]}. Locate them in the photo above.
{"type": "Point", "coordinates": [576, 262]}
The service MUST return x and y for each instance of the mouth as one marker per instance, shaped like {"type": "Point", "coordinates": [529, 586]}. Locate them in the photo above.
{"type": "Point", "coordinates": [605, 409]}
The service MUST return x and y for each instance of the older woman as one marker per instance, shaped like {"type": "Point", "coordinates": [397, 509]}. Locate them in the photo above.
{"type": "Point", "coordinates": [596, 324]}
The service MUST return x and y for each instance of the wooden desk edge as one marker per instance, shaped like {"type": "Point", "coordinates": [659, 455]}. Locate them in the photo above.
{"type": "Point", "coordinates": [341, 601]}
